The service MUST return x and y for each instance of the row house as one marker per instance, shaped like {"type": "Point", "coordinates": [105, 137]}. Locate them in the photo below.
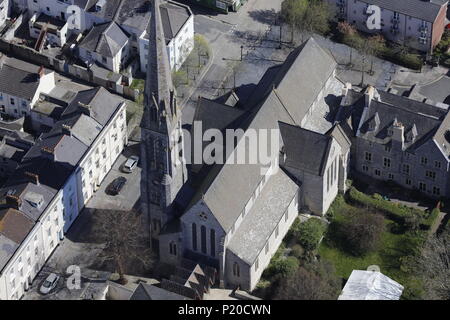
{"type": "Point", "coordinates": [54, 181]}
{"type": "Point", "coordinates": [418, 24]}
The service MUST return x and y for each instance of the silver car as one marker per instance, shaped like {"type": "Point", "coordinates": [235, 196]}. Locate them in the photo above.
{"type": "Point", "coordinates": [49, 283]}
{"type": "Point", "coordinates": [130, 164]}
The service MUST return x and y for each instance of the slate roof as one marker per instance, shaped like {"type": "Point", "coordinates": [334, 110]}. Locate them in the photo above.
{"type": "Point", "coordinates": [134, 14]}
{"type": "Point", "coordinates": [284, 97]}
{"type": "Point", "coordinates": [425, 10]}
{"type": "Point", "coordinates": [270, 207]}
{"type": "Point", "coordinates": [106, 39]}
{"type": "Point", "coordinates": [305, 150]}
{"type": "Point", "coordinates": [102, 104]}
{"type": "Point", "coordinates": [173, 17]}
{"type": "Point", "coordinates": [425, 119]}
{"type": "Point", "coordinates": [370, 285]}
{"type": "Point", "coordinates": [7, 249]}
{"type": "Point", "coordinates": [14, 225]}
{"type": "Point", "coordinates": [18, 83]}
{"type": "Point", "coordinates": [150, 292]}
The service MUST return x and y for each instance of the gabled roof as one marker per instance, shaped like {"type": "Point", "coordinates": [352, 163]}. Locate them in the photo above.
{"type": "Point", "coordinates": [150, 292]}
{"type": "Point", "coordinates": [106, 39]}
{"type": "Point", "coordinates": [305, 150]}
{"type": "Point", "coordinates": [18, 83]}
{"type": "Point", "coordinates": [284, 96]}
{"type": "Point", "coordinates": [173, 17]}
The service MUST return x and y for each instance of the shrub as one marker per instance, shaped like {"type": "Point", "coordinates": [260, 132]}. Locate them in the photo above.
{"type": "Point", "coordinates": [283, 267]}
{"type": "Point", "coordinates": [362, 233]}
{"type": "Point", "coordinates": [297, 251]}
{"type": "Point", "coordinates": [392, 210]}
{"type": "Point", "coordinates": [309, 233]}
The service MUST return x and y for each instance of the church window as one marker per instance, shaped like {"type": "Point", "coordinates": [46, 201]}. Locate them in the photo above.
{"type": "Point", "coordinates": [256, 264]}
{"type": "Point", "coordinates": [236, 270]}
{"type": "Point", "coordinates": [173, 248]}
{"type": "Point", "coordinates": [194, 237]}
{"type": "Point", "coordinates": [213, 242]}
{"type": "Point", "coordinates": [203, 238]}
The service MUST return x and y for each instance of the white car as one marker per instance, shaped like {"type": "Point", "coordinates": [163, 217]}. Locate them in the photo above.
{"type": "Point", "coordinates": [130, 164]}
{"type": "Point", "coordinates": [49, 283]}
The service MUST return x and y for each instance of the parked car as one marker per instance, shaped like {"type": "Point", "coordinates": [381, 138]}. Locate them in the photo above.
{"type": "Point", "coordinates": [115, 186]}
{"type": "Point", "coordinates": [49, 283]}
{"type": "Point", "coordinates": [130, 164]}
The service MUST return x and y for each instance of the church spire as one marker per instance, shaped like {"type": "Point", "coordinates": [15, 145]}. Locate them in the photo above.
{"type": "Point", "coordinates": [160, 102]}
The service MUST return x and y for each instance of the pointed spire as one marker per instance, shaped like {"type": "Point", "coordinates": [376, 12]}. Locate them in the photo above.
{"type": "Point", "coordinates": [159, 92]}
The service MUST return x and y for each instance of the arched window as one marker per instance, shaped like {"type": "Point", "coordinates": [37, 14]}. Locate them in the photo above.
{"type": "Point", "coordinates": [212, 239]}
{"type": "Point", "coordinates": [203, 238]}
{"type": "Point", "coordinates": [236, 270]}
{"type": "Point", "coordinates": [194, 237]}
{"type": "Point", "coordinates": [173, 248]}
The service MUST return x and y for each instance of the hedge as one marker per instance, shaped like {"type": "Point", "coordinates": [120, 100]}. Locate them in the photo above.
{"type": "Point", "coordinates": [428, 222]}
{"type": "Point", "coordinates": [392, 210]}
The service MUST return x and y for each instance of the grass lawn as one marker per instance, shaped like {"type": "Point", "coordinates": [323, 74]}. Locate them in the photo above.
{"type": "Point", "coordinates": [138, 84]}
{"type": "Point", "coordinates": [395, 246]}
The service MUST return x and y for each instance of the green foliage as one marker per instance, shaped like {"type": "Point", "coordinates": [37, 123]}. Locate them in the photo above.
{"type": "Point", "coordinates": [283, 267]}
{"type": "Point", "coordinates": [392, 210]}
{"type": "Point", "coordinates": [309, 233]}
{"type": "Point", "coordinates": [307, 15]}
{"type": "Point", "coordinates": [297, 251]}
{"type": "Point", "coordinates": [180, 78]}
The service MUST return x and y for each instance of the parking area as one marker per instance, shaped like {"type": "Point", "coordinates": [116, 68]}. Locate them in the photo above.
{"type": "Point", "coordinates": [81, 247]}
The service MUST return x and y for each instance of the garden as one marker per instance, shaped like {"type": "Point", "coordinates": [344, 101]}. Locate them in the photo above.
{"type": "Point", "coordinates": [361, 230]}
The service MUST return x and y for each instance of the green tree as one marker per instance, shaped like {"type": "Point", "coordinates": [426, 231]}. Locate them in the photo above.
{"type": "Point", "coordinates": [306, 16]}
{"type": "Point", "coordinates": [309, 233]}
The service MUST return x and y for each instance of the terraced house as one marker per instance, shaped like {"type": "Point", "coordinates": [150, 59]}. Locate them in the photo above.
{"type": "Point", "coordinates": [53, 181]}
{"type": "Point", "coordinates": [418, 24]}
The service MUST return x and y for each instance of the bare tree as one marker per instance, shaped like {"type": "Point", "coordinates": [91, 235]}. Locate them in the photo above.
{"type": "Point", "coordinates": [434, 267]}
{"type": "Point", "coordinates": [125, 238]}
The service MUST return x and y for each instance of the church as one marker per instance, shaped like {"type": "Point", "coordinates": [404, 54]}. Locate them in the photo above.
{"type": "Point", "coordinates": [238, 213]}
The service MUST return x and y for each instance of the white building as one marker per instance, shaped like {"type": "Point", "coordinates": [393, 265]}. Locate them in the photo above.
{"type": "Point", "coordinates": [178, 25]}
{"type": "Point", "coordinates": [20, 86]}
{"type": "Point", "coordinates": [55, 179]}
{"type": "Point", "coordinates": [106, 44]}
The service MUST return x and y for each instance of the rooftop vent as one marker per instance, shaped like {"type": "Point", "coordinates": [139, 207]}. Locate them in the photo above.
{"type": "Point", "coordinates": [34, 199]}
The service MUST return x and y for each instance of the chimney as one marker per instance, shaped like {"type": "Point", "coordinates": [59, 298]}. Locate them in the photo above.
{"type": "Point", "coordinates": [41, 71]}
{"type": "Point", "coordinates": [85, 108]}
{"type": "Point", "coordinates": [13, 201]}
{"type": "Point", "coordinates": [369, 95]}
{"type": "Point", "coordinates": [67, 130]}
{"type": "Point", "coordinates": [398, 137]}
{"type": "Point", "coordinates": [33, 178]}
{"type": "Point", "coordinates": [49, 153]}
{"type": "Point", "coordinates": [348, 86]}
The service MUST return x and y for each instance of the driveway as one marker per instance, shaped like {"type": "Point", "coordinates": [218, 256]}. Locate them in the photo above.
{"type": "Point", "coordinates": [80, 247]}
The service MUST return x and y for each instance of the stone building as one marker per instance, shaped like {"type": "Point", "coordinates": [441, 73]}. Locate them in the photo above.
{"type": "Point", "coordinates": [239, 212]}
{"type": "Point", "coordinates": [398, 139]}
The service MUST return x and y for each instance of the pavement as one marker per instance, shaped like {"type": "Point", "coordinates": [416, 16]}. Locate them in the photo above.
{"type": "Point", "coordinates": [226, 33]}
{"type": "Point", "coordinates": [80, 247]}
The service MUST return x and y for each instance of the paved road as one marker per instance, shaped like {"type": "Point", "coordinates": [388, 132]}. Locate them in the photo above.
{"type": "Point", "coordinates": [226, 34]}
{"type": "Point", "coordinates": [80, 246]}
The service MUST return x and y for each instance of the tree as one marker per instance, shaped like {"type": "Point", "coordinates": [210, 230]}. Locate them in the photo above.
{"type": "Point", "coordinates": [433, 266]}
{"type": "Point", "coordinates": [309, 233]}
{"type": "Point", "coordinates": [306, 16]}
{"type": "Point", "coordinates": [362, 232]}
{"type": "Point", "coordinates": [315, 281]}
{"type": "Point", "coordinates": [125, 238]}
